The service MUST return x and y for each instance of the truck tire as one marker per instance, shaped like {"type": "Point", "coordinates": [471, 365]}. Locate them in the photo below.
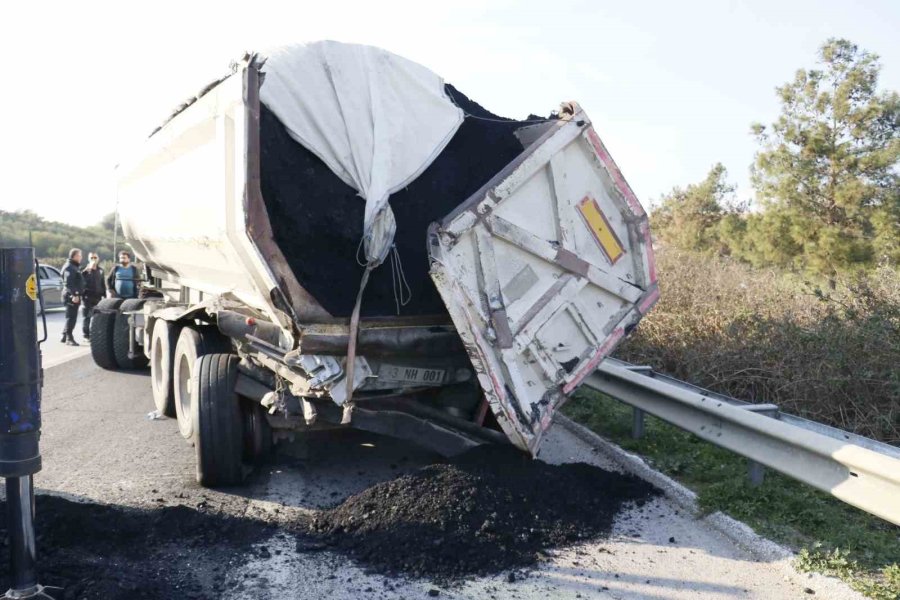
{"type": "Point", "coordinates": [257, 432]}
{"type": "Point", "coordinates": [193, 342]}
{"type": "Point", "coordinates": [218, 434]}
{"type": "Point", "coordinates": [121, 337]}
{"type": "Point", "coordinates": [162, 358]}
{"type": "Point", "coordinates": [103, 323]}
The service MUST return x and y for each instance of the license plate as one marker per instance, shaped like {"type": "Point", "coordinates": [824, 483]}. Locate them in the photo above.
{"type": "Point", "coordinates": [403, 374]}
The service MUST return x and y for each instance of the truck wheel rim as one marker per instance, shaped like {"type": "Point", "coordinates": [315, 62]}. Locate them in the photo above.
{"type": "Point", "coordinates": [159, 374]}
{"type": "Point", "coordinates": [184, 388]}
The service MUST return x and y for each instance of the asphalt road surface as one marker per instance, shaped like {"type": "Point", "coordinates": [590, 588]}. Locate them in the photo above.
{"type": "Point", "coordinates": [53, 351]}
{"type": "Point", "coordinates": [99, 445]}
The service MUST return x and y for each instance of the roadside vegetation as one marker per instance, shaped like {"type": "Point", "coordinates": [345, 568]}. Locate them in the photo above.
{"type": "Point", "coordinates": [766, 335]}
{"type": "Point", "coordinates": [793, 300]}
{"type": "Point", "coordinates": [826, 179]}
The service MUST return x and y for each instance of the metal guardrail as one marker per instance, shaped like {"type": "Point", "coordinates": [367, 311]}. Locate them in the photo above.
{"type": "Point", "coordinates": [857, 470]}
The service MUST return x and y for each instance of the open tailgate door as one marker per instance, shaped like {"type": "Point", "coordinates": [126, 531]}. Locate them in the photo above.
{"type": "Point", "coordinates": [544, 271]}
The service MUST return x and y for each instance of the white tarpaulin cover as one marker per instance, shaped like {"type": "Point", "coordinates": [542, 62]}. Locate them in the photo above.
{"type": "Point", "coordinates": [376, 119]}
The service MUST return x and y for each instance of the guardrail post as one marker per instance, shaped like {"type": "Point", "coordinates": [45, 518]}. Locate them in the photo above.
{"type": "Point", "coordinates": [637, 424]}
{"type": "Point", "coordinates": [756, 472]}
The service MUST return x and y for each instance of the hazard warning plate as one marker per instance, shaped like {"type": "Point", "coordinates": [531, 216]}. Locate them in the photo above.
{"type": "Point", "coordinates": [602, 230]}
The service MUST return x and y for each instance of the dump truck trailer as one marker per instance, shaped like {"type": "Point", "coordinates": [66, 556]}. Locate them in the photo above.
{"type": "Point", "coordinates": [529, 282]}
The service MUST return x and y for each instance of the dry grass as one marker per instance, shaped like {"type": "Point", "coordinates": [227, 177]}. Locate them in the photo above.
{"type": "Point", "coordinates": [770, 336]}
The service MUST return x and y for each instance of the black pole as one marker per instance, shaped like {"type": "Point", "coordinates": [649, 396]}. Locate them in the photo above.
{"type": "Point", "coordinates": [22, 547]}
{"type": "Point", "coordinates": [20, 370]}
{"type": "Point", "coordinates": [20, 414]}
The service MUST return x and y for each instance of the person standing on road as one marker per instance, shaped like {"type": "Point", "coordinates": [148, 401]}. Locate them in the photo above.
{"type": "Point", "coordinates": [123, 278]}
{"type": "Point", "coordinates": [94, 291]}
{"type": "Point", "coordinates": [72, 291]}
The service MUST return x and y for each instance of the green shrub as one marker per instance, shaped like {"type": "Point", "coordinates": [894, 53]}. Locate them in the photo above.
{"type": "Point", "coordinates": [765, 335]}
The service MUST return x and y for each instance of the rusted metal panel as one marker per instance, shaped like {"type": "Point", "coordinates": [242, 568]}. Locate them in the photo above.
{"type": "Point", "coordinates": [304, 306]}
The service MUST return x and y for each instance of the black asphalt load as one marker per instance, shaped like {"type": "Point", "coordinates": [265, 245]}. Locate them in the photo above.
{"type": "Point", "coordinates": [317, 218]}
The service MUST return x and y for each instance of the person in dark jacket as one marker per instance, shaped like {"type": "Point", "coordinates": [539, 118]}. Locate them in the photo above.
{"type": "Point", "coordinates": [94, 291]}
{"type": "Point", "coordinates": [72, 291]}
{"type": "Point", "coordinates": [123, 278]}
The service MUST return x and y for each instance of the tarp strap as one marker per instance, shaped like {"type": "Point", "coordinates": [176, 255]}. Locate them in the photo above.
{"type": "Point", "coordinates": [402, 293]}
{"type": "Point", "coordinates": [351, 347]}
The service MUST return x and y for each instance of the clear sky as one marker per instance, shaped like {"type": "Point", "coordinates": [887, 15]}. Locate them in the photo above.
{"type": "Point", "coordinates": [672, 87]}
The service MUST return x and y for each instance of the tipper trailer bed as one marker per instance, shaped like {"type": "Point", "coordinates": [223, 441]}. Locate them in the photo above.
{"type": "Point", "coordinates": [540, 273]}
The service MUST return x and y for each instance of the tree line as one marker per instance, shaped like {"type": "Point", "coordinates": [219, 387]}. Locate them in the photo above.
{"type": "Point", "coordinates": [826, 178]}
{"type": "Point", "coordinates": [52, 240]}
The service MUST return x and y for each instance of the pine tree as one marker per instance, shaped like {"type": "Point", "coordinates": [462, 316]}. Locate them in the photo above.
{"type": "Point", "coordinates": [690, 218]}
{"type": "Point", "coordinates": [827, 171]}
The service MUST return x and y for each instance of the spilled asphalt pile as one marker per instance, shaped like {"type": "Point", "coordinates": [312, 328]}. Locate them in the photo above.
{"type": "Point", "coordinates": [487, 511]}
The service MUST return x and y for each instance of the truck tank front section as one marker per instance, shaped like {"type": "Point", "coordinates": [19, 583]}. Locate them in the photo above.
{"type": "Point", "coordinates": [190, 207]}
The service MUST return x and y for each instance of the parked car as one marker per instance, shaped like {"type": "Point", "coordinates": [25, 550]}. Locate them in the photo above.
{"type": "Point", "coordinates": [51, 288]}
